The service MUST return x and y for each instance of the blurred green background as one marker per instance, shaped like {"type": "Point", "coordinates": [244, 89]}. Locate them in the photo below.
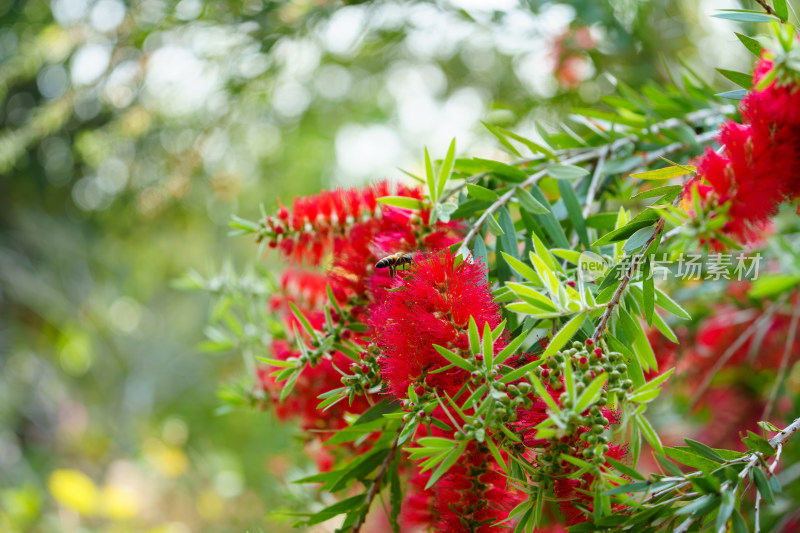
{"type": "Point", "coordinates": [130, 132]}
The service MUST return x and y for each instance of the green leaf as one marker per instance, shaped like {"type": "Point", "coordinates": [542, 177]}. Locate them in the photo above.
{"type": "Point", "coordinates": [781, 9]}
{"type": "Point", "coordinates": [623, 232]}
{"type": "Point", "coordinates": [701, 506]}
{"type": "Point", "coordinates": [488, 346]}
{"type": "Point", "coordinates": [385, 406]}
{"type": "Point", "coordinates": [738, 523]}
{"type": "Point", "coordinates": [566, 172]}
{"type": "Point", "coordinates": [751, 44]}
{"type": "Point", "coordinates": [639, 486]}
{"type": "Point", "coordinates": [574, 211]}
{"type": "Point", "coordinates": [569, 379]}
{"type": "Point", "coordinates": [762, 485]}
{"type": "Point", "coordinates": [664, 173]}
{"type": "Point", "coordinates": [532, 146]}
{"type": "Point", "coordinates": [668, 304]}
{"type": "Point", "coordinates": [403, 202]}
{"type": "Point", "coordinates": [757, 443]}
{"type": "Point", "coordinates": [277, 362]}
{"type": "Point", "coordinates": [474, 337]}
{"type": "Point", "coordinates": [745, 17]}
{"type": "Point", "coordinates": [704, 450]}
{"type": "Point", "coordinates": [510, 348]}
{"type": "Point", "coordinates": [741, 79]}
{"type": "Point", "coordinates": [521, 371]}
{"type": "Point", "coordinates": [521, 268]}
{"type": "Point", "coordinates": [625, 469]}
{"type": "Point", "coordinates": [564, 335]}
{"type": "Point", "coordinates": [690, 459]}
{"type": "Point", "coordinates": [481, 193]}
{"type": "Point", "coordinates": [445, 465]}
{"type": "Point", "coordinates": [454, 358]}
{"type": "Point", "coordinates": [649, 433]}
{"type": "Point", "coordinates": [336, 509]}
{"type": "Point", "coordinates": [304, 321]}
{"type": "Point", "coordinates": [738, 94]}
{"type": "Point", "coordinates": [529, 203]}
{"type": "Point", "coordinates": [494, 227]}
{"type": "Point", "coordinates": [447, 167]}
{"type": "Point", "coordinates": [725, 509]}
{"type": "Point", "coordinates": [500, 137]}
{"type": "Point", "coordinates": [543, 394]}
{"type": "Point", "coordinates": [431, 178]}
{"type": "Point", "coordinates": [649, 287]}
{"type": "Point", "coordinates": [591, 393]}
{"type": "Point", "coordinates": [509, 173]}
{"type": "Point", "coordinates": [532, 297]}
{"type": "Point", "coordinates": [638, 239]}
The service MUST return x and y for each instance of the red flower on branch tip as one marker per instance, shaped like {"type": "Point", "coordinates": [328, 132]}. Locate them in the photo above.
{"type": "Point", "coordinates": [431, 303]}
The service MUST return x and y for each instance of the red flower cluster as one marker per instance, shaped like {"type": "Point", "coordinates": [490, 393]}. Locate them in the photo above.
{"type": "Point", "coordinates": [570, 491]}
{"type": "Point", "coordinates": [309, 230]}
{"type": "Point", "coordinates": [431, 304]}
{"type": "Point", "coordinates": [759, 167]}
{"type": "Point", "coordinates": [357, 231]}
{"type": "Point", "coordinates": [470, 498]}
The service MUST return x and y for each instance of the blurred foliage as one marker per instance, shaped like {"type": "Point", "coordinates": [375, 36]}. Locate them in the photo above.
{"type": "Point", "coordinates": [131, 131]}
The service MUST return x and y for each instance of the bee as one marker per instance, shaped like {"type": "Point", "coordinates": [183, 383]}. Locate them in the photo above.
{"type": "Point", "coordinates": [395, 260]}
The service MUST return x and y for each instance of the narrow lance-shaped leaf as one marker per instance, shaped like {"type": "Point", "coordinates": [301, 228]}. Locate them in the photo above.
{"type": "Point", "coordinates": [304, 321]}
{"type": "Point", "coordinates": [494, 227]}
{"type": "Point", "coordinates": [564, 335]}
{"type": "Point", "coordinates": [431, 178]}
{"type": "Point", "coordinates": [447, 168]}
{"type": "Point", "coordinates": [403, 202]}
{"type": "Point", "coordinates": [591, 393]}
{"type": "Point", "coordinates": [488, 346]}
{"type": "Point", "coordinates": [512, 346]}
{"type": "Point", "coordinates": [445, 465]}
{"type": "Point", "coordinates": [454, 358]}
{"type": "Point", "coordinates": [474, 337]}
{"type": "Point", "coordinates": [481, 193]}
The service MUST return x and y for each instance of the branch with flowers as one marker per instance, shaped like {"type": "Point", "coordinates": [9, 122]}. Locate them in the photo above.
{"type": "Point", "coordinates": [513, 368]}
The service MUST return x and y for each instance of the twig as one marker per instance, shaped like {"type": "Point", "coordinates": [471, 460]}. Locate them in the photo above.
{"type": "Point", "coordinates": [768, 8]}
{"type": "Point", "coordinates": [376, 483]}
{"type": "Point", "coordinates": [784, 362]}
{"type": "Point", "coordinates": [738, 343]}
{"type": "Point", "coordinates": [598, 169]}
{"type": "Point", "coordinates": [615, 299]}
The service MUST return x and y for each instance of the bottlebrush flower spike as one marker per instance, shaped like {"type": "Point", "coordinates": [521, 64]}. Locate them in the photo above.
{"type": "Point", "coordinates": [758, 168]}
{"type": "Point", "coordinates": [471, 497]}
{"type": "Point", "coordinates": [311, 227]}
{"type": "Point", "coordinates": [431, 304]}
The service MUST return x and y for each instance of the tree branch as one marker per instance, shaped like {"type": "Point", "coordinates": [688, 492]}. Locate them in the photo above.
{"type": "Point", "coordinates": [374, 488]}
{"type": "Point", "coordinates": [615, 299]}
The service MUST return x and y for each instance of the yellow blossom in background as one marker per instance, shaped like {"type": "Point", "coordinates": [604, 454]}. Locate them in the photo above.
{"type": "Point", "coordinates": [119, 503]}
{"type": "Point", "coordinates": [74, 490]}
{"type": "Point", "coordinates": [170, 461]}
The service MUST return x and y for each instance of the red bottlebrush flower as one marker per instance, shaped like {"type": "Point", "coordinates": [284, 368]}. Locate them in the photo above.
{"type": "Point", "coordinates": [760, 165]}
{"type": "Point", "coordinates": [779, 102]}
{"type": "Point", "coordinates": [572, 501]}
{"type": "Point", "coordinates": [433, 302]}
{"type": "Point", "coordinates": [418, 509]}
{"type": "Point", "coordinates": [471, 497]}
{"type": "Point", "coordinates": [302, 403]}
{"type": "Point", "coordinates": [314, 223]}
